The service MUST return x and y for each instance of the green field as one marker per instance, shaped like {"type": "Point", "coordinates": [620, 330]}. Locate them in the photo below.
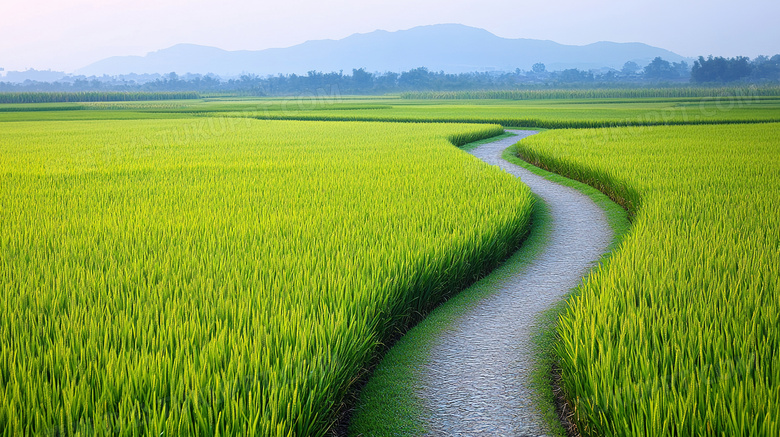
{"type": "Point", "coordinates": [565, 113]}
{"type": "Point", "coordinates": [554, 113]}
{"type": "Point", "coordinates": [159, 282]}
{"type": "Point", "coordinates": [601, 93]}
{"type": "Point", "coordinates": [543, 116]}
{"type": "Point", "coordinates": [93, 96]}
{"type": "Point", "coordinates": [678, 334]}
{"type": "Point", "coordinates": [233, 265]}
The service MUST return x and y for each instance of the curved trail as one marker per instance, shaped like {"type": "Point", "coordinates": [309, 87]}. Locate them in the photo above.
{"type": "Point", "coordinates": [477, 379]}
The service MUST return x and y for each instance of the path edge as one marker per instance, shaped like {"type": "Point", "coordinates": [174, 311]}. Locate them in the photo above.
{"type": "Point", "coordinates": [545, 374]}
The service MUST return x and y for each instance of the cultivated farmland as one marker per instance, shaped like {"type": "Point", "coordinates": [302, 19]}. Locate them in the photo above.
{"type": "Point", "coordinates": [550, 114]}
{"type": "Point", "coordinates": [180, 266]}
{"type": "Point", "coordinates": [158, 279]}
{"type": "Point", "coordinates": [678, 334]}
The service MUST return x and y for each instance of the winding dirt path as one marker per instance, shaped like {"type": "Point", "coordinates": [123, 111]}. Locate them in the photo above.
{"type": "Point", "coordinates": [477, 381]}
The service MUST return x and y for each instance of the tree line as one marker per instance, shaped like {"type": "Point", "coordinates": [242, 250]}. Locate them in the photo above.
{"type": "Point", "coordinates": [720, 69]}
{"type": "Point", "coordinates": [715, 70]}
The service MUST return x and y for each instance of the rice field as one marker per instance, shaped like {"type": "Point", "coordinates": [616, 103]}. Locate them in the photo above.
{"type": "Point", "coordinates": [549, 114]}
{"type": "Point", "coordinates": [602, 93]}
{"type": "Point", "coordinates": [94, 96]}
{"type": "Point", "coordinates": [231, 266]}
{"type": "Point", "coordinates": [734, 106]}
{"type": "Point", "coordinates": [162, 279]}
{"type": "Point", "coordinates": [679, 332]}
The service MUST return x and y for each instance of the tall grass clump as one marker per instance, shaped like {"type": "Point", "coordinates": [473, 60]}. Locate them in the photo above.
{"type": "Point", "coordinates": [167, 277]}
{"type": "Point", "coordinates": [679, 332]}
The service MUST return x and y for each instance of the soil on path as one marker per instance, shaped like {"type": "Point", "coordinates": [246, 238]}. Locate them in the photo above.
{"type": "Point", "coordinates": [477, 381]}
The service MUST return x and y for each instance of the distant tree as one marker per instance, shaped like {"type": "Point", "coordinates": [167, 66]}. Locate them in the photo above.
{"type": "Point", "coordinates": [387, 81]}
{"type": "Point", "coordinates": [80, 85]}
{"type": "Point", "coordinates": [766, 68]}
{"type": "Point", "coordinates": [251, 84]}
{"type": "Point", "coordinates": [538, 68]}
{"type": "Point", "coordinates": [720, 69]}
{"type": "Point", "coordinates": [682, 69]}
{"type": "Point", "coordinates": [249, 77]}
{"type": "Point", "coordinates": [659, 69]}
{"type": "Point", "coordinates": [573, 75]}
{"type": "Point", "coordinates": [418, 78]}
{"type": "Point", "coordinates": [362, 80]}
{"type": "Point", "coordinates": [630, 68]}
{"type": "Point", "coordinates": [709, 70]}
{"type": "Point", "coordinates": [760, 59]}
{"type": "Point", "coordinates": [609, 76]}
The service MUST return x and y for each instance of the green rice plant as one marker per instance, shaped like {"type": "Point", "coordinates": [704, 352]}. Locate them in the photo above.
{"type": "Point", "coordinates": [554, 114]}
{"type": "Point", "coordinates": [168, 277]}
{"type": "Point", "coordinates": [94, 96]}
{"type": "Point", "coordinates": [550, 114]}
{"type": "Point", "coordinates": [596, 93]}
{"type": "Point", "coordinates": [47, 114]}
{"type": "Point", "coordinates": [679, 332]}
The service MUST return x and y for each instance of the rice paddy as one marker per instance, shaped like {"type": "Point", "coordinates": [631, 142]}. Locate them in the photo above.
{"type": "Point", "coordinates": [549, 114]}
{"type": "Point", "coordinates": [232, 266]}
{"type": "Point", "coordinates": [227, 284]}
{"type": "Point", "coordinates": [678, 333]}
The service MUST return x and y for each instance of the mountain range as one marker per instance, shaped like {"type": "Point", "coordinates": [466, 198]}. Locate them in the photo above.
{"type": "Point", "coordinates": [452, 48]}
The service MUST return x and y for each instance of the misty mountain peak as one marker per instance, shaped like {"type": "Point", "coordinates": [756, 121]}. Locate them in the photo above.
{"type": "Point", "coordinates": [453, 48]}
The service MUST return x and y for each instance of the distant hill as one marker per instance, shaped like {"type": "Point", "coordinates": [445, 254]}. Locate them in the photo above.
{"type": "Point", "coordinates": [35, 75]}
{"type": "Point", "coordinates": [452, 48]}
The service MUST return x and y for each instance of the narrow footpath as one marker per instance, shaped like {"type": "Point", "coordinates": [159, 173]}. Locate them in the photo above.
{"type": "Point", "coordinates": [477, 381]}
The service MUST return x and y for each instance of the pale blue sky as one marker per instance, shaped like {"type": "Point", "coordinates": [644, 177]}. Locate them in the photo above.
{"type": "Point", "coordinates": [68, 34]}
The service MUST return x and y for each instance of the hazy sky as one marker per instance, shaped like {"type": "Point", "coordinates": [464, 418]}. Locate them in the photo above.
{"type": "Point", "coordinates": [68, 34]}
